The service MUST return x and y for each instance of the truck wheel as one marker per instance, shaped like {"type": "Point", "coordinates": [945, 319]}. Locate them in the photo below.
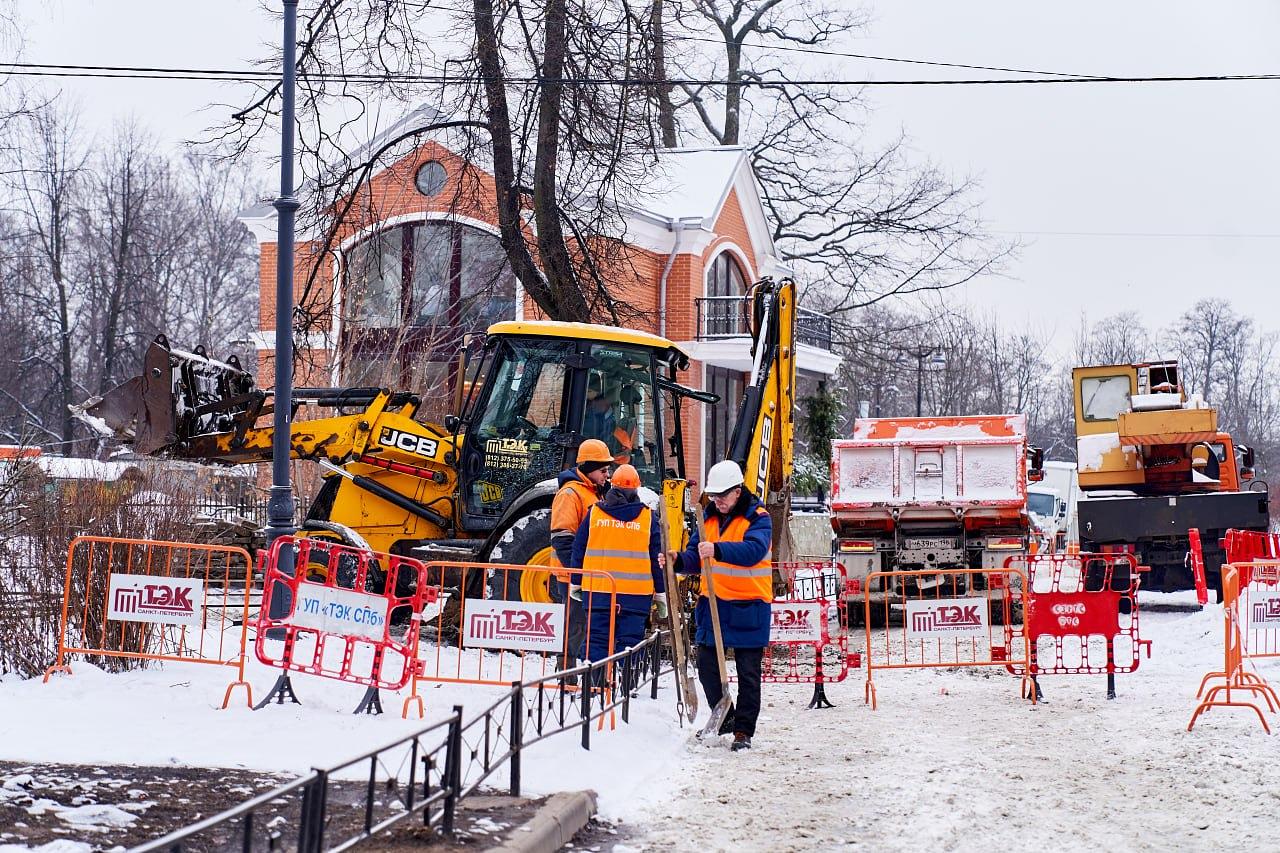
{"type": "Point", "coordinates": [526, 543]}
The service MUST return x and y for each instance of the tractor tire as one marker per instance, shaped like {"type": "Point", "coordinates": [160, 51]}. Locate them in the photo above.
{"type": "Point", "coordinates": [525, 543]}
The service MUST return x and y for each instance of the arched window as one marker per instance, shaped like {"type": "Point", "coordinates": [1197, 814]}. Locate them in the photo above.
{"type": "Point", "coordinates": [725, 306]}
{"type": "Point", "coordinates": [410, 295]}
{"type": "Point", "coordinates": [725, 317]}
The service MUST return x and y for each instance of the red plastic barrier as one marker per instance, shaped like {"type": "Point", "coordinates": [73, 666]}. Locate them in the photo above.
{"type": "Point", "coordinates": [1082, 614]}
{"type": "Point", "coordinates": [809, 637]}
{"type": "Point", "coordinates": [1196, 556]}
{"type": "Point", "coordinates": [1245, 546]}
{"type": "Point", "coordinates": [334, 625]}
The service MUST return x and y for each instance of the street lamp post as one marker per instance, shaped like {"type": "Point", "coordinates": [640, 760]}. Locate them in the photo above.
{"type": "Point", "coordinates": [280, 505]}
{"type": "Point", "coordinates": [938, 360]}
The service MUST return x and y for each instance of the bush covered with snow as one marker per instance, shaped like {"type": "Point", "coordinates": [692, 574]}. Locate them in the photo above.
{"type": "Point", "coordinates": [812, 475]}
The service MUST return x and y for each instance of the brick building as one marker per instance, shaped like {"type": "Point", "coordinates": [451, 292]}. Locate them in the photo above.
{"type": "Point", "coordinates": [414, 265]}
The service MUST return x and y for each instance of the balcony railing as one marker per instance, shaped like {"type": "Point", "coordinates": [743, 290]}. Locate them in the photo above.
{"type": "Point", "coordinates": [721, 317]}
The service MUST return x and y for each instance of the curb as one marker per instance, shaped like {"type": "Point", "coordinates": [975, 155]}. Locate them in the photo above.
{"type": "Point", "coordinates": [555, 824]}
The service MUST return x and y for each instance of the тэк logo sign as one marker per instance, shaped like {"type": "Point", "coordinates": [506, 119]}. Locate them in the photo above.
{"type": "Point", "coordinates": [155, 599]}
{"type": "Point", "coordinates": [947, 617]}
{"type": "Point", "coordinates": [512, 625]}
{"type": "Point", "coordinates": [145, 598]}
{"type": "Point", "coordinates": [495, 624]}
{"type": "Point", "coordinates": [1267, 610]}
{"type": "Point", "coordinates": [784, 618]}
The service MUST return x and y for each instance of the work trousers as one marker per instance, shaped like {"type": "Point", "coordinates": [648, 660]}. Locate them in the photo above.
{"type": "Point", "coordinates": [576, 630]}
{"type": "Point", "coordinates": [748, 661]}
{"type": "Point", "coordinates": [629, 614]}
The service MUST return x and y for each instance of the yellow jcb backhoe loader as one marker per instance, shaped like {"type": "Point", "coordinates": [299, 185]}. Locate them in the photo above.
{"type": "Point", "coordinates": [479, 486]}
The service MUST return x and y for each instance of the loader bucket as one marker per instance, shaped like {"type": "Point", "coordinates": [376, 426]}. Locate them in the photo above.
{"type": "Point", "coordinates": [179, 395]}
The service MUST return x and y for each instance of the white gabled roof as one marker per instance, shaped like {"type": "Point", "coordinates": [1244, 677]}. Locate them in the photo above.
{"type": "Point", "coordinates": [691, 183]}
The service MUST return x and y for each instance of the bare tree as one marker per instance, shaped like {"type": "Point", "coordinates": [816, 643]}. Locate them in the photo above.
{"type": "Point", "coordinates": [862, 224]}
{"type": "Point", "coordinates": [529, 93]}
{"type": "Point", "coordinates": [1201, 336]}
{"type": "Point", "coordinates": [215, 279]}
{"type": "Point", "coordinates": [47, 179]}
{"type": "Point", "coordinates": [129, 239]}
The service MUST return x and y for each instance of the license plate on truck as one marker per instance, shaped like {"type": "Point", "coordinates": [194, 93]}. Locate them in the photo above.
{"type": "Point", "coordinates": [912, 544]}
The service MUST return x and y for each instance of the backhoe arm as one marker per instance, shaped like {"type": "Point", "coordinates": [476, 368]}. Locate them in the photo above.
{"type": "Point", "coordinates": [763, 436]}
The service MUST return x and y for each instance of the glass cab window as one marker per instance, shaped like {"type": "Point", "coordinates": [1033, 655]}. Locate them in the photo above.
{"type": "Point", "coordinates": [513, 441]}
{"type": "Point", "coordinates": [1103, 398]}
{"type": "Point", "coordinates": [1042, 504]}
{"type": "Point", "coordinates": [620, 409]}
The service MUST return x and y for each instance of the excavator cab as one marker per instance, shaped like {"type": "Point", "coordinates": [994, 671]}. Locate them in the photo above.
{"type": "Point", "coordinates": [540, 390]}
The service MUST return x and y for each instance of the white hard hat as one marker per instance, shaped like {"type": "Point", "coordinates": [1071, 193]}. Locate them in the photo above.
{"type": "Point", "coordinates": [722, 477]}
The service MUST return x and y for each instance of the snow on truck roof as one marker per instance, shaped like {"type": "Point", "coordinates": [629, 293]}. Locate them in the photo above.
{"type": "Point", "coordinates": [970, 426]}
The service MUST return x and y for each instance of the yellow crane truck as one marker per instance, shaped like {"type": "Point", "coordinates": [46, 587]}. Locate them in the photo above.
{"type": "Point", "coordinates": [1152, 464]}
{"type": "Point", "coordinates": [479, 486]}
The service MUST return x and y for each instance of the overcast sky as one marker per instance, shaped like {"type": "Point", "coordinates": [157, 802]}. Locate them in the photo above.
{"type": "Point", "coordinates": [1138, 197]}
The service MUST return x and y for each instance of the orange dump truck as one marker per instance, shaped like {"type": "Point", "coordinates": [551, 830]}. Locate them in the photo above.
{"type": "Point", "coordinates": [928, 494]}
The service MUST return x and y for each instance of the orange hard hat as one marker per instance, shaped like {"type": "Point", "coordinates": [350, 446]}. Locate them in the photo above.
{"type": "Point", "coordinates": [626, 477]}
{"type": "Point", "coordinates": [594, 450]}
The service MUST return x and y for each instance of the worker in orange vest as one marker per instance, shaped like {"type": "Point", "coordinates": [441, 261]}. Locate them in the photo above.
{"type": "Point", "coordinates": [736, 538]}
{"type": "Point", "coordinates": [620, 539]}
{"type": "Point", "coordinates": [580, 488]}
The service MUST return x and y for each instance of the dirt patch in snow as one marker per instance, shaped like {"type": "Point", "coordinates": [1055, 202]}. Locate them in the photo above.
{"type": "Point", "coordinates": [82, 808]}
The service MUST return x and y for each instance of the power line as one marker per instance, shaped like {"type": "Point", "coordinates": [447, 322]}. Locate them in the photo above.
{"type": "Point", "coordinates": [815, 51]}
{"type": "Point", "coordinates": [1156, 234]}
{"type": "Point", "coordinates": [250, 76]}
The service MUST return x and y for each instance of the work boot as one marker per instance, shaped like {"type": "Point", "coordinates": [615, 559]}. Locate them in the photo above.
{"type": "Point", "coordinates": [740, 741]}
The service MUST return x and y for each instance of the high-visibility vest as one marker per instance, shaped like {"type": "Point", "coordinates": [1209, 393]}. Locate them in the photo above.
{"type": "Point", "coordinates": [620, 549]}
{"type": "Point", "coordinates": [737, 583]}
{"type": "Point", "coordinates": [567, 513]}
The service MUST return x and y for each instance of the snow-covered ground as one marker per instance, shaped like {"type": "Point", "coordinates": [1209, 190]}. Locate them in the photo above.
{"type": "Point", "coordinates": [952, 760]}
{"type": "Point", "coordinates": [955, 760]}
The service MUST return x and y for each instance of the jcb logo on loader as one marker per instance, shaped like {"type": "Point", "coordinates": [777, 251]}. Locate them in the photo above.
{"type": "Point", "coordinates": [408, 442]}
{"type": "Point", "coordinates": [762, 469]}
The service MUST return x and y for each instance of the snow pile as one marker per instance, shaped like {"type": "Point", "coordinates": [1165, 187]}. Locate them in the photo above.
{"type": "Point", "coordinates": [1155, 402]}
{"type": "Point", "coordinates": [96, 816]}
{"type": "Point", "coordinates": [62, 845]}
{"type": "Point", "coordinates": [170, 716]}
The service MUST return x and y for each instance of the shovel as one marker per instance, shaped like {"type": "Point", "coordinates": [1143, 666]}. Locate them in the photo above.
{"type": "Point", "coordinates": [686, 694]}
{"type": "Point", "coordinates": [721, 710]}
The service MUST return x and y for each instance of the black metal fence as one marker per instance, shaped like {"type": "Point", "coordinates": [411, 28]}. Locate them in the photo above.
{"type": "Point", "coordinates": [727, 317]}
{"type": "Point", "coordinates": [444, 762]}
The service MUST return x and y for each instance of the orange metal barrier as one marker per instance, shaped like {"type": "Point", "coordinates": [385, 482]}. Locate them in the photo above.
{"type": "Point", "coordinates": [1233, 674]}
{"type": "Point", "coordinates": [152, 600]}
{"type": "Point", "coordinates": [954, 618]}
{"type": "Point", "coordinates": [482, 632]}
